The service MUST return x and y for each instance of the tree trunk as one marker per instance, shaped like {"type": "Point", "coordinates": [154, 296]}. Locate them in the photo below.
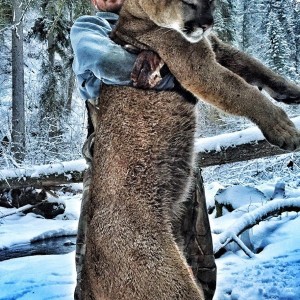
{"type": "Point", "coordinates": [71, 85]}
{"type": "Point", "coordinates": [18, 105]}
{"type": "Point", "coordinates": [51, 52]}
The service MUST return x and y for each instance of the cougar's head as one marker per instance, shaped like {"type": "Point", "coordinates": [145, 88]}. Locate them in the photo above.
{"type": "Point", "coordinates": [192, 18]}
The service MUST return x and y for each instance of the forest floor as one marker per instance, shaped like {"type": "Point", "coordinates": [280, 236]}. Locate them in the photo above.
{"type": "Point", "coordinates": [273, 272]}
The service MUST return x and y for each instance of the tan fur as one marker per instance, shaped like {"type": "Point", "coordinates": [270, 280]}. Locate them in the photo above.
{"type": "Point", "coordinates": [143, 160]}
{"type": "Point", "coordinates": [214, 71]}
{"type": "Point", "coordinates": [143, 156]}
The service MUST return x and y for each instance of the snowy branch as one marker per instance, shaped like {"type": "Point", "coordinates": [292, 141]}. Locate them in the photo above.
{"type": "Point", "coordinates": [45, 175]}
{"type": "Point", "coordinates": [17, 23]}
{"type": "Point", "coordinates": [250, 219]}
{"type": "Point", "coordinates": [227, 148]}
{"type": "Point", "coordinates": [243, 246]}
{"type": "Point", "coordinates": [233, 139]}
{"type": "Point", "coordinates": [21, 209]}
{"type": "Point", "coordinates": [236, 146]}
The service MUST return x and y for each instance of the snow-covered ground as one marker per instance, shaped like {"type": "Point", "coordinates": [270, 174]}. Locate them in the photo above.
{"type": "Point", "coordinates": [273, 272]}
{"type": "Point", "coordinates": [38, 277]}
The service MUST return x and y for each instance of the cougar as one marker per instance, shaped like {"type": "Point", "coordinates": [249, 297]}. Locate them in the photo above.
{"type": "Point", "coordinates": [144, 148]}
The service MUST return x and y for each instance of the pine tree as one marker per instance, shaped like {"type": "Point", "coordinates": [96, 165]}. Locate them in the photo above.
{"type": "Point", "coordinates": [5, 14]}
{"type": "Point", "coordinates": [5, 46]}
{"type": "Point", "coordinates": [225, 23]}
{"type": "Point", "coordinates": [296, 14]}
{"type": "Point", "coordinates": [52, 27]}
{"type": "Point", "coordinates": [281, 38]}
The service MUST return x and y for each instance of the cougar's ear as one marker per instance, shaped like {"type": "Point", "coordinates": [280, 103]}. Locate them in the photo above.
{"type": "Point", "coordinates": [93, 110]}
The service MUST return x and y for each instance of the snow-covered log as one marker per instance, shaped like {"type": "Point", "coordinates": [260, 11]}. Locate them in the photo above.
{"type": "Point", "coordinates": [226, 148]}
{"type": "Point", "coordinates": [236, 146]}
{"type": "Point", "coordinates": [43, 176]}
{"type": "Point", "coordinates": [244, 152]}
{"type": "Point", "coordinates": [15, 211]}
{"type": "Point", "coordinates": [248, 220]}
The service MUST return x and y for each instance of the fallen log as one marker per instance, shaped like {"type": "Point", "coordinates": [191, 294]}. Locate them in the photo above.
{"type": "Point", "coordinates": [43, 181]}
{"type": "Point", "coordinates": [43, 176]}
{"type": "Point", "coordinates": [244, 152]}
{"type": "Point", "coordinates": [15, 211]}
{"type": "Point", "coordinates": [242, 145]}
{"type": "Point", "coordinates": [237, 146]}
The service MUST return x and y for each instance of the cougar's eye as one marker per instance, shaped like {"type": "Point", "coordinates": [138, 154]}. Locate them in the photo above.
{"type": "Point", "coordinates": [190, 4]}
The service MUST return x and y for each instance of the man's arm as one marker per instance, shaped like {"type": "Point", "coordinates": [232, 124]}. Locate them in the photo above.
{"type": "Point", "coordinates": [95, 55]}
{"type": "Point", "coordinates": [98, 59]}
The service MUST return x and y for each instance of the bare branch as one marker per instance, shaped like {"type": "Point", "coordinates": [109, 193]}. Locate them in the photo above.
{"type": "Point", "coordinates": [250, 219]}
{"type": "Point", "coordinates": [23, 208]}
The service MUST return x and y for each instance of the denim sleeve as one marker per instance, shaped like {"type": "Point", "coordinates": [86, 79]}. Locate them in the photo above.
{"type": "Point", "coordinates": [98, 59]}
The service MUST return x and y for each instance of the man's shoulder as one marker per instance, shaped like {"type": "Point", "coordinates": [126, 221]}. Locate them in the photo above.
{"type": "Point", "coordinates": [99, 18]}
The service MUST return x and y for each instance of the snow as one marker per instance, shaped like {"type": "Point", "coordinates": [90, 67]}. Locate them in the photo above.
{"type": "Point", "coordinates": [251, 218]}
{"type": "Point", "coordinates": [272, 273]}
{"type": "Point", "coordinates": [239, 195]}
{"type": "Point", "coordinates": [19, 229]}
{"type": "Point", "coordinates": [38, 277]}
{"type": "Point", "coordinates": [36, 171]}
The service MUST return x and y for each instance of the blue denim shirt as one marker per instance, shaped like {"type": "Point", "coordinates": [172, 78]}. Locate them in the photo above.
{"type": "Point", "coordinates": [98, 59]}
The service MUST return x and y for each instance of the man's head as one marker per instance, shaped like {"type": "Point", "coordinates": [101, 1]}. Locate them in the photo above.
{"type": "Point", "coordinates": [108, 5]}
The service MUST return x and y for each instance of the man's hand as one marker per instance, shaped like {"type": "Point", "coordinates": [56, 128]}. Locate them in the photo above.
{"type": "Point", "coordinates": [146, 70]}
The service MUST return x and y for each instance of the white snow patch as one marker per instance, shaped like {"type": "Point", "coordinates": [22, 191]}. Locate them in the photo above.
{"type": "Point", "coordinates": [20, 229]}
{"type": "Point", "coordinates": [38, 277]}
{"type": "Point", "coordinates": [274, 273]}
{"type": "Point", "coordinates": [36, 171]}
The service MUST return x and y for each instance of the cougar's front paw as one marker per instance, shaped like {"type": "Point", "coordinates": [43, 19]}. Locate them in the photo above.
{"type": "Point", "coordinates": [286, 92]}
{"type": "Point", "coordinates": [280, 131]}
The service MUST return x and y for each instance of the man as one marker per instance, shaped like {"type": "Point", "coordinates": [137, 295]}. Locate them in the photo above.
{"type": "Point", "coordinates": [97, 60]}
